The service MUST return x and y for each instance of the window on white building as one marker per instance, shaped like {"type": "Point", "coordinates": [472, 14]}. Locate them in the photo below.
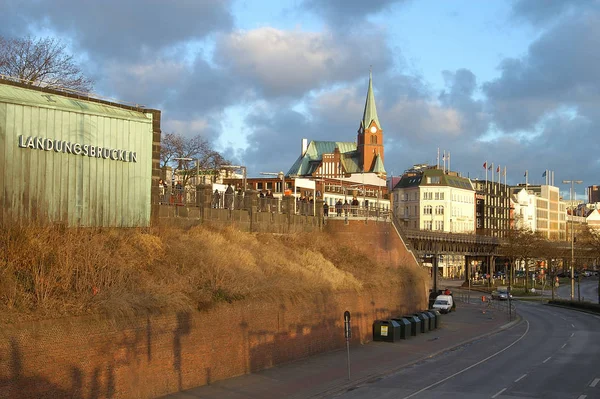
{"type": "Point", "coordinates": [439, 210]}
{"type": "Point", "coordinates": [427, 225]}
{"type": "Point", "coordinates": [427, 210]}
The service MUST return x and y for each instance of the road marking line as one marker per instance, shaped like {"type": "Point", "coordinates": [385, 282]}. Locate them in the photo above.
{"type": "Point", "coordinates": [471, 366]}
{"type": "Point", "coordinates": [595, 382]}
{"type": "Point", "coordinates": [582, 397]}
{"type": "Point", "coordinates": [572, 335]}
{"type": "Point", "coordinates": [563, 346]}
{"type": "Point", "coordinates": [504, 389]}
{"type": "Point", "coordinates": [573, 325]}
{"type": "Point", "coordinates": [547, 359]}
{"type": "Point", "coordinates": [521, 377]}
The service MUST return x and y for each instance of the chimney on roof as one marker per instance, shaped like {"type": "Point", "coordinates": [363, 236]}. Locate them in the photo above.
{"type": "Point", "coordinates": [304, 146]}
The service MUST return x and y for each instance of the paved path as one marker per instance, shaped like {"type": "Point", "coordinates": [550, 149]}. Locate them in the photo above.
{"type": "Point", "coordinates": [326, 375]}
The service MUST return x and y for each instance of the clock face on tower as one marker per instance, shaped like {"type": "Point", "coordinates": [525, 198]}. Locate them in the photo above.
{"type": "Point", "coordinates": [373, 129]}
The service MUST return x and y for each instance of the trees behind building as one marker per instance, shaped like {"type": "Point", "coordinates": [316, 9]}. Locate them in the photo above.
{"type": "Point", "coordinates": [182, 153]}
{"type": "Point", "coordinates": [41, 62]}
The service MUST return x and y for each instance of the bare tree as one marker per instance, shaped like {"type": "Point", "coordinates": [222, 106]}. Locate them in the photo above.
{"type": "Point", "coordinates": [41, 62]}
{"type": "Point", "coordinates": [183, 153]}
{"type": "Point", "coordinates": [522, 245]}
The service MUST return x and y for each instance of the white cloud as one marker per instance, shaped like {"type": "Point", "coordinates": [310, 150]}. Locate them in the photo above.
{"type": "Point", "coordinates": [293, 62]}
{"type": "Point", "coordinates": [151, 80]}
{"type": "Point", "coordinates": [187, 127]}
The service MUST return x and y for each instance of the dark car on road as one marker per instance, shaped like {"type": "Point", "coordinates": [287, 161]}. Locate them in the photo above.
{"type": "Point", "coordinates": [501, 294]}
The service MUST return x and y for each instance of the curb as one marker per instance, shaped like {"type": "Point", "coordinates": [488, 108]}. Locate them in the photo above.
{"type": "Point", "coordinates": [340, 389]}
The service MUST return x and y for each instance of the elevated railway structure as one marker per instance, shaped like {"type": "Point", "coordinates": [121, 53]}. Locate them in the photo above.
{"type": "Point", "coordinates": [429, 245]}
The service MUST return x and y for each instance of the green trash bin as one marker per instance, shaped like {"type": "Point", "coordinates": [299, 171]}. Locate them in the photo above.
{"type": "Point", "coordinates": [415, 324]}
{"type": "Point", "coordinates": [424, 317]}
{"type": "Point", "coordinates": [438, 317]}
{"type": "Point", "coordinates": [386, 330]}
{"type": "Point", "coordinates": [405, 327]}
{"type": "Point", "coordinates": [432, 320]}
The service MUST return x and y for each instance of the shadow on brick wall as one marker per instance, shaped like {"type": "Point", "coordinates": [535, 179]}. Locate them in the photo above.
{"type": "Point", "coordinates": [182, 329]}
{"type": "Point", "coordinates": [21, 386]}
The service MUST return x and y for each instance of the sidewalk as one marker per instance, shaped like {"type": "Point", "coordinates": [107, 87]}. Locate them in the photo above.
{"type": "Point", "coordinates": [327, 374]}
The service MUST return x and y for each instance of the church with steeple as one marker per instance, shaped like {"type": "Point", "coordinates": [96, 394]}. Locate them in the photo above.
{"type": "Point", "coordinates": [341, 160]}
{"type": "Point", "coordinates": [348, 171]}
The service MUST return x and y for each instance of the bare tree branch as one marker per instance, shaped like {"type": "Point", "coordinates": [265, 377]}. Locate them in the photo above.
{"type": "Point", "coordinates": [41, 62]}
{"type": "Point", "coordinates": [196, 148]}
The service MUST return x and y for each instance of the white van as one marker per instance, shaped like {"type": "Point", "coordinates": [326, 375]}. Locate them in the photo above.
{"type": "Point", "coordinates": [443, 303]}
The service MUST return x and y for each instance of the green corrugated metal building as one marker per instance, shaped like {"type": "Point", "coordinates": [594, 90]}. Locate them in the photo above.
{"type": "Point", "coordinates": [75, 160]}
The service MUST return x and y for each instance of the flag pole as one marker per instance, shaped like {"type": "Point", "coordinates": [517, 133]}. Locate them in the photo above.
{"type": "Point", "coordinates": [444, 161]}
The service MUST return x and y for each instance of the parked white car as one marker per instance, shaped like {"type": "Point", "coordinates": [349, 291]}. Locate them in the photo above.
{"type": "Point", "coordinates": [443, 303]}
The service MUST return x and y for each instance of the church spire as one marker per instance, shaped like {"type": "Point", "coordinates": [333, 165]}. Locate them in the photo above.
{"type": "Point", "coordinates": [370, 113]}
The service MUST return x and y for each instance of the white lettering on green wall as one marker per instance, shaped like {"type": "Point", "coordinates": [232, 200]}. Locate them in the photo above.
{"type": "Point", "coordinates": [67, 147]}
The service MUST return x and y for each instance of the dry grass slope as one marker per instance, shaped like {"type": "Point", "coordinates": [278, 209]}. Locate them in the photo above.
{"type": "Point", "coordinates": [52, 271]}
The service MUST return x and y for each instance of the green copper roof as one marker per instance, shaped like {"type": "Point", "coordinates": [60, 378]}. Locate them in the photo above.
{"type": "Point", "coordinates": [307, 164]}
{"type": "Point", "coordinates": [378, 167]}
{"type": "Point", "coordinates": [370, 113]}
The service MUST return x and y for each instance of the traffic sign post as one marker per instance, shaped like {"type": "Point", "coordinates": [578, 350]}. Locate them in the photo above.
{"type": "Point", "coordinates": [347, 335]}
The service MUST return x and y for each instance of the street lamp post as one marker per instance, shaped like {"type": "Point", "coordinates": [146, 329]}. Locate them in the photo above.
{"type": "Point", "coordinates": [572, 182]}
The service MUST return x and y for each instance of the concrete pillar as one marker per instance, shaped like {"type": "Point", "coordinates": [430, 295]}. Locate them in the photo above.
{"type": "Point", "coordinates": [251, 203]}
{"type": "Point", "coordinates": [203, 200]}
{"type": "Point", "coordinates": [319, 212]}
{"type": "Point", "coordinates": [467, 269]}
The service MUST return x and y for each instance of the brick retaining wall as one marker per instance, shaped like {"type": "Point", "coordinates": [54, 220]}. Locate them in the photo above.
{"type": "Point", "coordinates": [149, 357]}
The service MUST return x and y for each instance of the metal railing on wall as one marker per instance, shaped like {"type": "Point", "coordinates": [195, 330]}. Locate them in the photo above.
{"type": "Point", "coordinates": [177, 196]}
{"type": "Point", "coordinates": [240, 201]}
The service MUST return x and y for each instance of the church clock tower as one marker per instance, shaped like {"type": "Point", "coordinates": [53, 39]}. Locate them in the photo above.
{"type": "Point", "coordinates": [370, 136]}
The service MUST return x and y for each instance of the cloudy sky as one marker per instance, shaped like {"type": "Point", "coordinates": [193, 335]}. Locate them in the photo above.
{"type": "Point", "coordinates": [514, 83]}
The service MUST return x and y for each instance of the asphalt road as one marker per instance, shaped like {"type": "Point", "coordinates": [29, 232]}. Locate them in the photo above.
{"type": "Point", "coordinates": [552, 353]}
{"type": "Point", "coordinates": [588, 290]}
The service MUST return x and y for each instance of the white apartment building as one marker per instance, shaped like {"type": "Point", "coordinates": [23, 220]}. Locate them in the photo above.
{"type": "Point", "coordinates": [540, 209]}
{"type": "Point", "coordinates": [524, 204]}
{"type": "Point", "coordinates": [429, 198]}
